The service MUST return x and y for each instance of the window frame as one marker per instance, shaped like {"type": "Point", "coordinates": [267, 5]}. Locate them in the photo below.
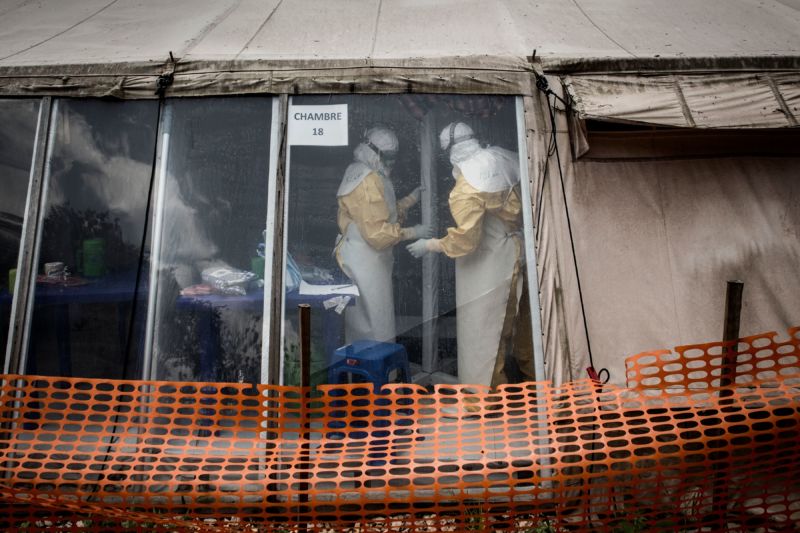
{"type": "Point", "coordinates": [21, 311]}
{"type": "Point", "coordinates": [522, 117]}
{"type": "Point", "coordinates": [276, 235]}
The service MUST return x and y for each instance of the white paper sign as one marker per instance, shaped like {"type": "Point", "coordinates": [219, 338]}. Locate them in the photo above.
{"type": "Point", "coordinates": [318, 125]}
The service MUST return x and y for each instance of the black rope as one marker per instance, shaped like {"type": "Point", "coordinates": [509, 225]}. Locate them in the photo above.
{"type": "Point", "coordinates": [148, 208]}
{"type": "Point", "coordinates": [141, 261]}
{"type": "Point", "coordinates": [129, 341]}
{"type": "Point", "coordinates": [543, 86]}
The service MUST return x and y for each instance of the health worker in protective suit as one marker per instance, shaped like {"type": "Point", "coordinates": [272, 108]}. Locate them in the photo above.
{"type": "Point", "coordinates": [369, 221]}
{"type": "Point", "coordinates": [487, 246]}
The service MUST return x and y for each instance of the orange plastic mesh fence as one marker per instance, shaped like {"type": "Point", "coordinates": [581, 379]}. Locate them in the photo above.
{"type": "Point", "coordinates": [92, 455]}
{"type": "Point", "coordinates": [701, 366]}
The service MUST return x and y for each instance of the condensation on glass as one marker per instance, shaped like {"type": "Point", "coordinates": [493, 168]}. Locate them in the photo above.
{"type": "Point", "coordinates": [90, 292]}
{"type": "Point", "coordinates": [424, 222]}
{"type": "Point", "coordinates": [213, 173]}
{"type": "Point", "coordinates": [17, 135]}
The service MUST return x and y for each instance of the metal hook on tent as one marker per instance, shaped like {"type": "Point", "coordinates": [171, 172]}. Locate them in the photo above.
{"type": "Point", "coordinates": [167, 77]}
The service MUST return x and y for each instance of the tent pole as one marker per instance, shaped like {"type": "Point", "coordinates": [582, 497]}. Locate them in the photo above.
{"type": "Point", "coordinates": [430, 263]}
{"type": "Point", "coordinates": [27, 256]}
{"type": "Point", "coordinates": [157, 225]}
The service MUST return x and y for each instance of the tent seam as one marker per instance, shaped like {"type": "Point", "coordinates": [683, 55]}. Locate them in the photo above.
{"type": "Point", "coordinates": [208, 29]}
{"type": "Point", "coordinates": [601, 30]}
{"type": "Point", "coordinates": [61, 32]}
{"type": "Point", "coordinates": [260, 27]}
{"type": "Point", "coordinates": [687, 112]}
{"type": "Point", "coordinates": [375, 32]}
{"type": "Point", "coordinates": [781, 101]}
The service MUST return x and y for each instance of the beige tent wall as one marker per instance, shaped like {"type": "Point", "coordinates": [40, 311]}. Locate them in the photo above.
{"type": "Point", "coordinates": [658, 230]}
{"type": "Point", "coordinates": [660, 220]}
{"type": "Point", "coordinates": [564, 339]}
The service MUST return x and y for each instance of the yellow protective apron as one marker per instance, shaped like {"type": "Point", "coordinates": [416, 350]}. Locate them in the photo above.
{"type": "Point", "coordinates": [484, 299]}
{"type": "Point", "coordinates": [372, 316]}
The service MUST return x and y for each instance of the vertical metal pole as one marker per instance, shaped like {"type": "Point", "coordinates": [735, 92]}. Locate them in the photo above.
{"type": "Point", "coordinates": [273, 271]}
{"type": "Point", "coordinates": [275, 246]}
{"type": "Point", "coordinates": [25, 285]}
{"type": "Point", "coordinates": [26, 263]}
{"type": "Point", "coordinates": [278, 335]}
{"type": "Point", "coordinates": [430, 263]}
{"type": "Point", "coordinates": [160, 186]}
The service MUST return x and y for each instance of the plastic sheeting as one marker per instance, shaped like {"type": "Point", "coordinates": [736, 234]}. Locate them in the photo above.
{"type": "Point", "coordinates": [752, 100]}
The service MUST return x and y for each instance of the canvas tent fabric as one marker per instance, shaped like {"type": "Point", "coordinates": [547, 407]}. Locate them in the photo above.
{"type": "Point", "coordinates": [658, 221]}
{"type": "Point", "coordinates": [119, 48]}
{"type": "Point", "coordinates": [749, 100]}
{"type": "Point", "coordinates": [121, 31]}
{"type": "Point", "coordinates": [656, 242]}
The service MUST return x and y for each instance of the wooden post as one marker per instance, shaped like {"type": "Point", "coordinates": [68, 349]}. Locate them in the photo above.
{"type": "Point", "coordinates": [730, 331]}
{"type": "Point", "coordinates": [305, 345]}
{"type": "Point", "coordinates": [305, 396]}
{"type": "Point", "coordinates": [727, 382]}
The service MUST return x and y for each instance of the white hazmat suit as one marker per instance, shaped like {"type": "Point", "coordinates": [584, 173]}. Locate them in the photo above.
{"type": "Point", "coordinates": [369, 224]}
{"type": "Point", "coordinates": [488, 249]}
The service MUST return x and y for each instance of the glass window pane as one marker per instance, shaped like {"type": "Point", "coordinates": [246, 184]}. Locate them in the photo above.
{"type": "Point", "coordinates": [395, 175]}
{"type": "Point", "coordinates": [209, 311]}
{"type": "Point", "coordinates": [17, 135]}
{"type": "Point", "coordinates": [90, 293]}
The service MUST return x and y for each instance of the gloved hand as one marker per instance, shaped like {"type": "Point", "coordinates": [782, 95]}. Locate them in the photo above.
{"type": "Point", "coordinates": [407, 203]}
{"type": "Point", "coordinates": [422, 231]}
{"type": "Point", "coordinates": [423, 246]}
{"type": "Point", "coordinates": [414, 196]}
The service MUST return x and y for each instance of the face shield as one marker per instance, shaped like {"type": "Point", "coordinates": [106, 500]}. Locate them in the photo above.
{"type": "Point", "coordinates": [383, 142]}
{"type": "Point", "coordinates": [389, 158]}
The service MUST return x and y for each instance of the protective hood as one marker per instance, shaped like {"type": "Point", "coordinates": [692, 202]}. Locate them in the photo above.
{"type": "Point", "coordinates": [366, 161]}
{"type": "Point", "coordinates": [489, 169]}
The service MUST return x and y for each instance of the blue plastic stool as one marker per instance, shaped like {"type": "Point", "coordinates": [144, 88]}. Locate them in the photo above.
{"type": "Point", "coordinates": [372, 360]}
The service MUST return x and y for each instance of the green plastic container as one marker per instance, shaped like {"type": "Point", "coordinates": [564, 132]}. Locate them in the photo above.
{"type": "Point", "coordinates": [12, 280]}
{"type": "Point", "coordinates": [94, 258]}
{"type": "Point", "coordinates": [257, 266]}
